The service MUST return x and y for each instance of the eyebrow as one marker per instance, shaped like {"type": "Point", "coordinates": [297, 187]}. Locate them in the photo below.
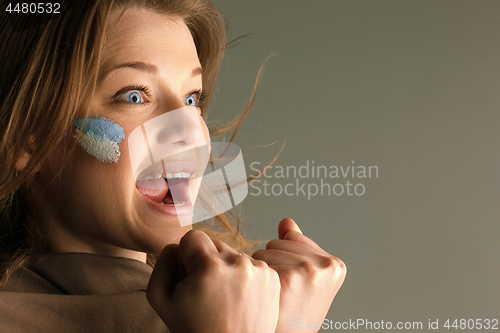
{"type": "Point", "coordinates": [196, 72]}
{"type": "Point", "coordinates": [145, 67]}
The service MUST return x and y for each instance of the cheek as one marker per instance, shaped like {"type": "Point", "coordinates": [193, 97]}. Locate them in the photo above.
{"type": "Point", "coordinates": [99, 137]}
{"type": "Point", "coordinates": [205, 133]}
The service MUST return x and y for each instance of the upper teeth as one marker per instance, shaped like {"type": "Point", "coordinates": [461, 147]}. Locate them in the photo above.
{"type": "Point", "coordinates": [168, 176]}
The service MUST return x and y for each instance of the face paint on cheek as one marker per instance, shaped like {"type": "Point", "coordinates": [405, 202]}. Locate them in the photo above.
{"type": "Point", "coordinates": [100, 137]}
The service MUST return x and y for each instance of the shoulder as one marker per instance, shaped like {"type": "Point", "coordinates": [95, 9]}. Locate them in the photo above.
{"type": "Point", "coordinates": [25, 280]}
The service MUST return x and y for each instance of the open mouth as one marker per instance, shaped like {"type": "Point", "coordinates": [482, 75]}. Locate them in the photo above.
{"type": "Point", "coordinates": [169, 187]}
{"type": "Point", "coordinates": [158, 188]}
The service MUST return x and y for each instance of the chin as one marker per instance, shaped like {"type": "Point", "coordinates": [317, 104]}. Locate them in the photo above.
{"type": "Point", "coordinates": [162, 238]}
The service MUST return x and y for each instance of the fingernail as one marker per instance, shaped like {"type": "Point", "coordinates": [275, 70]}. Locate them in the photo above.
{"type": "Point", "coordinates": [298, 229]}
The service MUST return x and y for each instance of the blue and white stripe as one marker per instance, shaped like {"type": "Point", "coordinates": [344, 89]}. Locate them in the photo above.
{"type": "Point", "coordinates": [100, 137]}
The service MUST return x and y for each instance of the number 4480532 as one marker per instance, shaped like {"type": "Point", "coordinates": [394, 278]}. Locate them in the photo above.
{"type": "Point", "coordinates": [472, 324]}
{"type": "Point", "coordinates": [32, 8]}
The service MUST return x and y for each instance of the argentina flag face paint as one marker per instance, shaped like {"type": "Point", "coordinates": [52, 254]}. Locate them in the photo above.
{"type": "Point", "coordinates": [172, 160]}
{"type": "Point", "coordinates": [99, 137]}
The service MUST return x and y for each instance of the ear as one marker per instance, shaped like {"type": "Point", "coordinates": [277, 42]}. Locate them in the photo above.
{"type": "Point", "coordinates": [26, 153]}
{"type": "Point", "coordinates": [22, 161]}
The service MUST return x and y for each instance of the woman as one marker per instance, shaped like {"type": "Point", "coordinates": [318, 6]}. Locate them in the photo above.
{"type": "Point", "coordinates": [77, 227]}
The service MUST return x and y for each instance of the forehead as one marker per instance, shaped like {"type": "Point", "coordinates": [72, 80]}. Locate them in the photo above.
{"type": "Point", "coordinates": [142, 35]}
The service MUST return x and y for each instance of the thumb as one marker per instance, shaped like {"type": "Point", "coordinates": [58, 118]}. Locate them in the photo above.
{"type": "Point", "coordinates": [286, 225]}
{"type": "Point", "coordinates": [165, 276]}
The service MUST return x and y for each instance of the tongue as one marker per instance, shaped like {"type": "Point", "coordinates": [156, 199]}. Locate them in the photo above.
{"type": "Point", "coordinates": [154, 189]}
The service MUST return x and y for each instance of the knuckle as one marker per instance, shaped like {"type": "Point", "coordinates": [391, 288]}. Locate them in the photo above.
{"type": "Point", "coordinates": [328, 261]}
{"type": "Point", "coordinates": [341, 271]}
{"type": "Point", "coordinates": [333, 268]}
{"type": "Point", "coordinates": [236, 259]}
{"type": "Point", "coordinates": [262, 269]}
{"type": "Point", "coordinates": [191, 235]}
{"type": "Point", "coordinates": [213, 267]}
{"type": "Point", "coordinates": [342, 266]}
{"type": "Point", "coordinates": [333, 263]}
{"type": "Point", "coordinates": [260, 264]}
{"type": "Point", "coordinates": [310, 270]}
{"type": "Point", "coordinates": [243, 265]}
{"type": "Point", "coordinates": [290, 277]}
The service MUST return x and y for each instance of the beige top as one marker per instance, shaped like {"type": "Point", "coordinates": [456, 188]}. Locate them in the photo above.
{"type": "Point", "coordinates": [78, 292]}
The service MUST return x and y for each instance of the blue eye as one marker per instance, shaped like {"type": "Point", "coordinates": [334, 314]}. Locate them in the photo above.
{"type": "Point", "coordinates": [191, 100]}
{"type": "Point", "coordinates": [133, 95]}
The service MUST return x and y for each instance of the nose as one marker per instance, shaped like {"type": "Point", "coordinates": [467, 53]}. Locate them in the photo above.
{"type": "Point", "coordinates": [178, 135]}
{"type": "Point", "coordinates": [182, 127]}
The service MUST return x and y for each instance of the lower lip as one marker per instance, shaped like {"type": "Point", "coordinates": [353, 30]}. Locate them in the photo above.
{"type": "Point", "coordinates": [185, 210]}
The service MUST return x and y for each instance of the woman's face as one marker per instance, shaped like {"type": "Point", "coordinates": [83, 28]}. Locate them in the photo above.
{"type": "Point", "coordinates": [150, 67]}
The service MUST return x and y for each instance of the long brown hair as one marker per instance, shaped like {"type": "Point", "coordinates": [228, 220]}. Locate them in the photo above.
{"type": "Point", "coordinates": [47, 67]}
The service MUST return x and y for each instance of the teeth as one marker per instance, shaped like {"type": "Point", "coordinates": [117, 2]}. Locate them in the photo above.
{"type": "Point", "coordinates": [180, 203]}
{"type": "Point", "coordinates": [168, 176]}
{"type": "Point", "coordinates": [178, 175]}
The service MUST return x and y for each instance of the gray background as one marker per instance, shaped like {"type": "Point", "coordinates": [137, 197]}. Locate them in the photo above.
{"type": "Point", "coordinates": [408, 86]}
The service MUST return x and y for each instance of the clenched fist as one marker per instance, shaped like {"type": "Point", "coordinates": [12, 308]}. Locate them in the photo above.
{"type": "Point", "coordinates": [202, 285]}
{"type": "Point", "coordinates": [310, 277]}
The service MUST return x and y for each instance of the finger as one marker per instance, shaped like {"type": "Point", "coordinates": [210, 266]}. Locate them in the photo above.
{"type": "Point", "coordinates": [229, 255]}
{"type": "Point", "coordinates": [292, 246]}
{"type": "Point", "coordinates": [165, 275]}
{"type": "Point", "coordinates": [289, 230]}
{"type": "Point", "coordinates": [221, 246]}
{"type": "Point", "coordinates": [232, 257]}
{"type": "Point", "coordinates": [194, 248]}
{"type": "Point", "coordinates": [279, 257]}
{"type": "Point", "coordinates": [286, 225]}
{"type": "Point", "coordinates": [289, 256]}
{"type": "Point", "coordinates": [300, 238]}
